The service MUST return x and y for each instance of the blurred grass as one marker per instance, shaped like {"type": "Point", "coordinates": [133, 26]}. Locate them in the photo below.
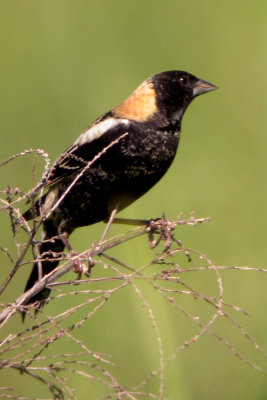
{"type": "Point", "coordinates": [63, 64]}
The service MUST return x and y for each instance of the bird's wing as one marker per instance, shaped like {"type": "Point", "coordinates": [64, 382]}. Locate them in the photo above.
{"type": "Point", "coordinates": [66, 164]}
{"type": "Point", "coordinates": [89, 145]}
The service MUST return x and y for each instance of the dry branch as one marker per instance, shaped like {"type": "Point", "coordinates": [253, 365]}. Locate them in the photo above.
{"type": "Point", "coordinates": [95, 250]}
{"type": "Point", "coordinates": [26, 350]}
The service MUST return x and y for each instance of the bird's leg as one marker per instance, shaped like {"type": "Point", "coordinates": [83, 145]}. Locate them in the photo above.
{"type": "Point", "coordinates": [65, 239]}
{"type": "Point", "coordinates": [129, 221]}
{"type": "Point", "coordinates": [109, 223]}
{"type": "Point", "coordinates": [162, 226]}
{"type": "Point", "coordinates": [142, 222]}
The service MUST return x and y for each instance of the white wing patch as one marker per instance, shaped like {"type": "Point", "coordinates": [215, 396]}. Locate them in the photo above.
{"type": "Point", "coordinates": [98, 129]}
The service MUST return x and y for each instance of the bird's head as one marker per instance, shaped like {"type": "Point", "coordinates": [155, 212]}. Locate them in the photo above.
{"type": "Point", "coordinates": [165, 95]}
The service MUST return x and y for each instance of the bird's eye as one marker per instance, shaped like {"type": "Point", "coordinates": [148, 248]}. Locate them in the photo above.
{"type": "Point", "coordinates": [184, 80]}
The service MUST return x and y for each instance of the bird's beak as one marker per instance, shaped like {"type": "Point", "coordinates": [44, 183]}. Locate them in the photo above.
{"type": "Point", "coordinates": [202, 87]}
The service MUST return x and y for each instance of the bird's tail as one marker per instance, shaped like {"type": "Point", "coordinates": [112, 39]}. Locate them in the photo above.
{"type": "Point", "coordinates": [49, 250]}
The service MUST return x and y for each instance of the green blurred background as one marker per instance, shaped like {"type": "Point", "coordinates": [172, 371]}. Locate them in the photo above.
{"type": "Point", "coordinates": [62, 64]}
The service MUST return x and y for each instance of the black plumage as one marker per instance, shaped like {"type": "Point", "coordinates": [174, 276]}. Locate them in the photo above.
{"type": "Point", "coordinates": [114, 162]}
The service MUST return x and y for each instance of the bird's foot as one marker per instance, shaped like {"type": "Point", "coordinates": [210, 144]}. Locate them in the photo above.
{"type": "Point", "coordinates": [81, 268]}
{"type": "Point", "coordinates": [91, 264]}
{"type": "Point", "coordinates": [163, 227]}
{"type": "Point", "coordinates": [78, 266]}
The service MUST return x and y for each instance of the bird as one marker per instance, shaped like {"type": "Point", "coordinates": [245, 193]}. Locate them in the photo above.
{"type": "Point", "coordinates": [115, 161]}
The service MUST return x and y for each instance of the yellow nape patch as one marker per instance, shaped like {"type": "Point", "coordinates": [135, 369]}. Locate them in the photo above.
{"type": "Point", "coordinates": [140, 106]}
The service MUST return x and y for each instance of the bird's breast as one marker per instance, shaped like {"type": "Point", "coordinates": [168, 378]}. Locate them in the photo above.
{"type": "Point", "coordinates": [153, 147]}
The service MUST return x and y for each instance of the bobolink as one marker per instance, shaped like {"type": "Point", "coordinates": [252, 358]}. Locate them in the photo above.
{"type": "Point", "coordinates": [113, 162]}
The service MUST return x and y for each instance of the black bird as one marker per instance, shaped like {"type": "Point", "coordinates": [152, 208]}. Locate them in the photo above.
{"type": "Point", "coordinates": [113, 162]}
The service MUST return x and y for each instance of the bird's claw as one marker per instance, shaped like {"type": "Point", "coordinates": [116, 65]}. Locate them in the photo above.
{"type": "Point", "coordinates": [91, 264]}
{"type": "Point", "coordinates": [78, 266]}
{"type": "Point", "coordinates": [163, 227]}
